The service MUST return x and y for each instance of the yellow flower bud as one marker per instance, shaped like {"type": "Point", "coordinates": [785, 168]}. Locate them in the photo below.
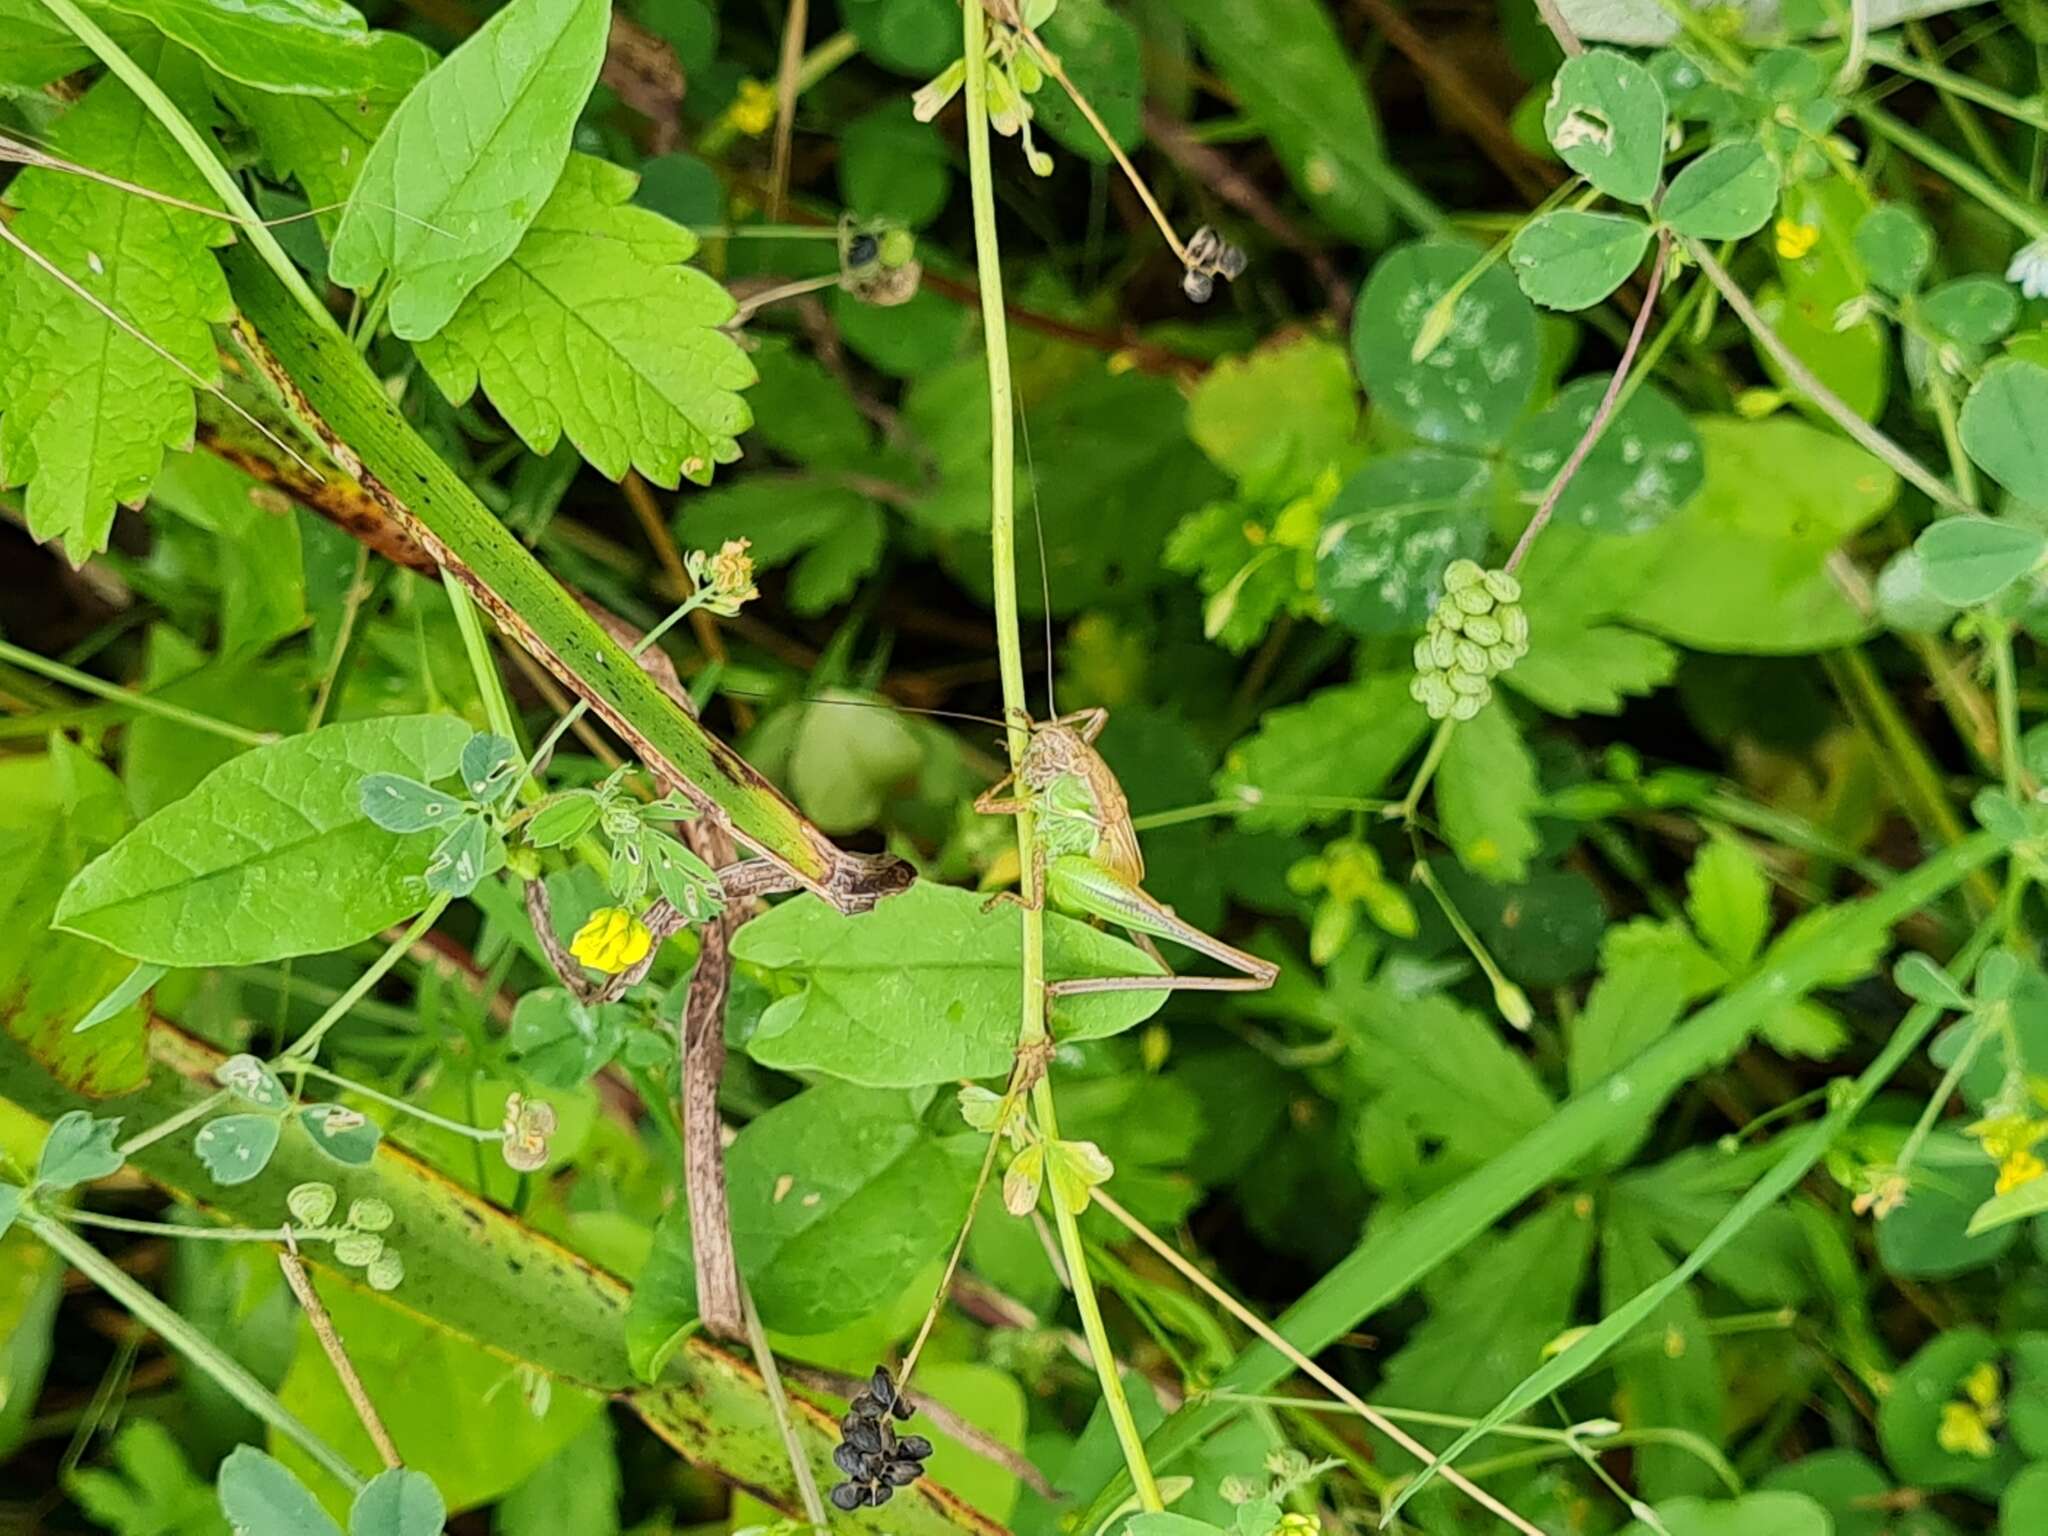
{"type": "Point", "coordinates": [614, 940]}
{"type": "Point", "coordinates": [753, 108]}
{"type": "Point", "coordinates": [1963, 1432]}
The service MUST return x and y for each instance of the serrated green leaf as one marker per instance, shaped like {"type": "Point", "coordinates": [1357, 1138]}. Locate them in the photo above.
{"type": "Point", "coordinates": [1274, 419]}
{"type": "Point", "coordinates": [1728, 898]}
{"type": "Point", "coordinates": [840, 1197]}
{"type": "Point", "coordinates": [86, 409]}
{"type": "Point", "coordinates": [1726, 194]}
{"type": "Point", "coordinates": [236, 1148]}
{"type": "Point", "coordinates": [2001, 427]}
{"type": "Point", "coordinates": [1593, 670]}
{"type": "Point", "coordinates": [1468, 388]}
{"type": "Point", "coordinates": [398, 1502]}
{"type": "Point", "coordinates": [1447, 1069]}
{"type": "Point", "coordinates": [203, 881]}
{"type": "Point", "coordinates": [1570, 259]}
{"type": "Point", "coordinates": [260, 1494]}
{"type": "Point", "coordinates": [1605, 117]}
{"type": "Point", "coordinates": [299, 47]}
{"type": "Point", "coordinates": [1970, 560]}
{"type": "Point", "coordinates": [1306, 761]}
{"type": "Point", "coordinates": [922, 989]}
{"type": "Point", "coordinates": [467, 161]}
{"type": "Point", "coordinates": [78, 1150]}
{"type": "Point", "coordinates": [592, 329]}
{"type": "Point", "coordinates": [1487, 796]}
{"type": "Point", "coordinates": [1390, 532]}
{"type": "Point", "coordinates": [1647, 464]}
{"type": "Point", "coordinates": [57, 812]}
{"type": "Point", "coordinates": [1673, 1379]}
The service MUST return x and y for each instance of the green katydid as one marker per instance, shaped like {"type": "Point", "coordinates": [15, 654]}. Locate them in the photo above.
{"type": "Point", "coordinates": [1088, 862]}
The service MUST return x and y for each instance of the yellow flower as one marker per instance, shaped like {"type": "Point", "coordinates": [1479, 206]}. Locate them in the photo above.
{"type": "Point", "coordinates": [1796, 239]}
{"type": "Point", "coordinates": [753, 109]}
{"type": "Point", "coordinates": [614, 940]}
{"type": "Point", "coordinates": [1963, 1432]}
{"type": "Point", "coordinates": [1981, 1387]}
{"type": "Point", "coordinates": [2021, 1168]}
{"type": "Point", "coordinates": [2006, 1136]}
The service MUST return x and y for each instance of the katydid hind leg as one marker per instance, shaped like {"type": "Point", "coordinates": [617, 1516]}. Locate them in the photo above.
{"type": "Point", "coordinates": [1083, 886]}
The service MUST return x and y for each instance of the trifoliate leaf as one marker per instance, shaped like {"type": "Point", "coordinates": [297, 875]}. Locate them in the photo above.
{"type": "Point", "coordinates": [257, 1493]}
{"type": "Point", "coordinates": [468, 160]}
{"type": "Point", "coordinates": [593, 329]}
{"type": "Point", "coordinates": [88, 408]}
{"type": "Point", "coordinates": [1569, 259]}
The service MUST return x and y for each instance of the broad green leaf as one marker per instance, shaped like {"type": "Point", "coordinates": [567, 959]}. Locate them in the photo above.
{"type": "Point", "coordinates": [1972, 311]}
{"type": "Point", "coordinates": [1295, 78]}
{"type": "Point", "coordinates": [57, 812]}
{"type": "Point", "coordinates": [1487, 796]}
{"type": "Point", "coordinates": [457, 1412]}
{"type": "Point", "coordinates": [1310, 762]}
{"type": "Point", "coordinates": [1593, 670]}
{"type": "Point", "coordinates": [1922, 980]}
{"type": "Point", "coordinates": [236, 1148]}
{"type": "Point", "coordinates": [161, 760]}
{"type": "Point", "coordinates": [1605, 117]}
{"type": "Point", "coordinates": [1737, 572]}
{"type": "Point", "coordinates": [840, 1197]}
{"type": "Point", "coordinates": [86, 409]}
{"type": "Point", "coordinates": [1099, 50]}
{"type": "Point", "coordinates": [1726, 194]}
{"type": "Point", "coordinates": [1728, 898]}
{"type": "Point", "coordinates": [923, 989]}
{"type": "Point", "coordinates": [2001, 428]}
{"type": "Point", "coordinates": [1755, 1514]}
{"type": "Point", "coordinates": [1647, 464]}
{"type": "Point", "coordinates": [255, 562]}
{"type": "Point", "coordinates": [78, 1150]}
{"type": "Point", "coordinates": [259, 1494]}
{"type": "Point", "coordinates": [154, 1492]}
{"type": "Point", "coordinates": [1970, 560]}
{"type": "Point", "coordinates": [299, 47]}
{"type": "Point", "coordinates": [1895, 246]}
{"type": "Point", "coordinates": [40, 48]}
{"type": "Point", "coordinates": [271, 855]}
{"type": "Point", "coordinates": [467, 161]}
{"type": "Point", "coordinates": [398, 1502]}
{"type": "Point", "coordinates": [323, 142]}
{"type": "Point", "coordinates": [2023, 1507]}
{"type": "Point", "coordinates": [1909, 1418]}
{"type": "Point", "coordinates": [1274, 419]}
{"type": "Point", "coordinates": [1470, 386]}
{"type": "Point", "coordinates": [1804, 306]}
{"type": "Point", "coordinates": [1569, 259]}
{"type": "Point", "coordinates": [2029, 1199]}
{"type": "Point", "coordinates": [1390, 532]}
{"type": "Point", "coordinates": [592, 328]}
{"type": "Point", "coordinates": [847, 759]}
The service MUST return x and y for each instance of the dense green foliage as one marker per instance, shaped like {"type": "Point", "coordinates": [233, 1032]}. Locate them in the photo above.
{"type": "Point", "coordinates": [1546, 506]}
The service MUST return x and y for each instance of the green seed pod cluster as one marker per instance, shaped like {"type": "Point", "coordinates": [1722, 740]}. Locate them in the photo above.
{"type": "Point", "coordinates": [1476, 632]}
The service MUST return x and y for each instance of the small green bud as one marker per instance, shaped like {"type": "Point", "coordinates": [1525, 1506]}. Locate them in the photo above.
{"type": "Point", "coordinates": [1472, 685]}
{"type": "Point", "coordinates": [311, 1204]}
{"type": "Point", "coordinates": [357, 1249]}
{"type": "Point", "coordinates": [898, 246]}
{"type": "Point", "coordinates": [386, 1272]}
{"type": "Point", "coordinates": [1513, 1004]}
{"type": "Point", "coordinates": [1501, 657]}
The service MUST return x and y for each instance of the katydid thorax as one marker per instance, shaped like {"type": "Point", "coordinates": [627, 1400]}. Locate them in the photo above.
{"type": "Point", "coordinates": [1088, 863]}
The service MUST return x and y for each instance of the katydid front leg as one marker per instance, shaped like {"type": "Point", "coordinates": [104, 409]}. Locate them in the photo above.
{"type": "Point", "coordinates": [1079, 885]}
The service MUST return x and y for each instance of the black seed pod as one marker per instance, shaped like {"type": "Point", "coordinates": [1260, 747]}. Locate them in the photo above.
{"type": "Point", "coordinates": [848, 1496]}
{"type": "Point", "coordinates": [847, 1458]}
{"type": "Point", "coordinates": [880, 1494]}
{"type": "Point", "coordinates": [901, 1474]}
{"type": "Point", "coordinates": [861, 1434]}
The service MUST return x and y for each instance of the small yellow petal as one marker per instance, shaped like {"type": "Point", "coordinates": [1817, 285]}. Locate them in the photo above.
{"type": "Point", "coordinates": [1796, 239]}
{"type": "Point", "coordinates": [1981, 1387]}
{"type": "Point", "coordinates": [753, 108]}
{"type": "Point", "coordinates": [614, 940]}
{"type": "Point", "coordinates": [1963, 1432]}
{"type": "Point", "coordinates": [2023, 1167]}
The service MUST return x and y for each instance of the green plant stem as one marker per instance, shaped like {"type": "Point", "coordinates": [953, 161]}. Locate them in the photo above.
{"type": "Point", "coordinates": [2006, 683]}
{"type": "Point", "coordinates": [816, 65]}
{"type": "Point", "coordinates": [2019, 109]}
{"type": "Point", "coordinates": [188, 1341]}
{"type": "Point", "coordinates": [173, 1125]}
{"type": "Point", "coordinates": [207, 1234]}
{"type": "Point", "coordinates": [141, 703]}
{"type": "Point", "coordinates": [303, 1069]}
{"type": "Point", "coordinates": [2029, 220]}
{"type": "Point", "coordinates": [308, 1044]}
{"type": "Point", "coordinates": [1431, 761]}
{"type": "Point", "coordinates": [1031, 1027]}
{"type": "Point", "coordinates": [1988, 1024]}
{"type": "Point", "coordinates": [197, 149]}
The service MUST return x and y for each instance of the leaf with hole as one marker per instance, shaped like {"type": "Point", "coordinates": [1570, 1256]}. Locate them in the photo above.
{"type": "Point", "coordinates": [1605, 118]}
{"type": "Point", "coordinates": [1726, 194]}
{"type": "Point", "coordinates": [1969, 560]}
{"type": "Point", "coordinates": [271, 855]}
{"type": "Point", "coordinates": [1568, 259]}
{"type": "Point", "coordinates": [347, 1136]}
{"type": "Point", "coordinates": [468, 160]}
